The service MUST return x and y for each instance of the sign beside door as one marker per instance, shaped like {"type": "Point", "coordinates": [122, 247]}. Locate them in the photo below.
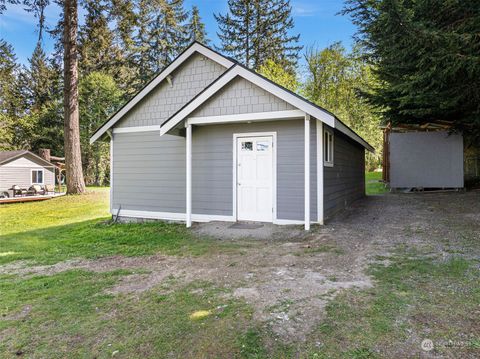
{"type": "Point", "coordinates": [255, 178]}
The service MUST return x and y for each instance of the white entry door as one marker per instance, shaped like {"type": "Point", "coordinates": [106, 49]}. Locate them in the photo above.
{"type": "Point", "coordinates": [255, 179]}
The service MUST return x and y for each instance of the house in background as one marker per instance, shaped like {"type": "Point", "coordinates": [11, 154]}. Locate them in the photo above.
{"type": "Point", "coordinates": [427, 157]}
{"type": "Point", "coordinates": [208, 139]}
{"type": "Point", "coordinates": [24, 169]}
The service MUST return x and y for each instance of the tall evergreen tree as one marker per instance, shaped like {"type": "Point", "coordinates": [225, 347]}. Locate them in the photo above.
{"type": "Point", "coordinates": [122, 14]}
{"type": "Point", "coordinates": [196, 28]}
{"type": "Point", "coordinates": [236, 31]}
{"type": "Point", "coordinates": [161, 35]}
{"type": "Point", "coordinates": [254, 31]}
{"type": "Point", "coordinates": [9, 101]}
{"type": "Point", "coordinates": [274, 40]}
{"type": "Point", "coordinates": [8, 79]}
{"type": "Point", "coordinates": [168, 32]}
{"type": "Point", "coordinates": [95, 40]}
{"type": "Point", "coordinates": [40, 77]}
{"type": "Point", "coordinates": [427, 56]}
{"type": "Point", "coordinates": [73, 159]}
{"type": "Point", "coordinates": [141, 44]}
{"type": "Point", "coordinates": [41, 82]}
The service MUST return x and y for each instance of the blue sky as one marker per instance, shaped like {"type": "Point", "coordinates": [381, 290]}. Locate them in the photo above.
{"type": "Point", "coordinates": [315, 20]}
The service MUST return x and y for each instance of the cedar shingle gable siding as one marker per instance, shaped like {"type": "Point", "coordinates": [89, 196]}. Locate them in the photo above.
{"type": "Point", "coordinates": [187, 81]}
{"type": "Point", "coordinates": [241, 96]}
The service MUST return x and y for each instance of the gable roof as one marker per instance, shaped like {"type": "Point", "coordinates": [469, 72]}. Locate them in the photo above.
{"type": "Point", "coordinates": [234, 69]}
{"type": "Point", "coordinates": [195, 47]}
{"type": "Point", "coordinates": [7, 156]}
{"type": "Point", "coordinates": [286, 95]}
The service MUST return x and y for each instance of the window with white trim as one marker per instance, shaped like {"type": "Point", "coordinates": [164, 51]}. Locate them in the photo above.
{"type": "Point", "coordinates": [328, 148]}
{"type": "Point", "coordinates": [37, 176]}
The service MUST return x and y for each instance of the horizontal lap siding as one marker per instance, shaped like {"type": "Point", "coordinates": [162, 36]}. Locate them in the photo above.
{"type": "Point", "coordinates": [345, 181]}
{"type": "Point", "coordinates": [149, 172]}
{"type": "Point", "coordinates": [22, 175]}
{"type": "Point", "coordinates": [212, 175]}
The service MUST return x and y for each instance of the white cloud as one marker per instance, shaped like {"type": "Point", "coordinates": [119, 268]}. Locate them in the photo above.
{"type": "Point", "coordinates": [300, 8]}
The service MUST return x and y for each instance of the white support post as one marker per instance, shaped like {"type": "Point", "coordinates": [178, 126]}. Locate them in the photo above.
{"type": "Point", "coordinates": [110, 134]}
{"type": "Point", "coordinates": [320, 172]}
{"type": "Point", "coordinates": [307, 172]}
{"type": "Point", "coordinates": [189, 175]}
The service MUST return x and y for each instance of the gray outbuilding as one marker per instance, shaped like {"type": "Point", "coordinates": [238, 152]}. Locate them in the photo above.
{"type": "Point", "coordinates": [208, 139]}
{"type": "Point", "coordinates": [423, 157]}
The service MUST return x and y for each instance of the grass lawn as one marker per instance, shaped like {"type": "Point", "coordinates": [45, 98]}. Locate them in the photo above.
{"type": "Point", "coordinates": [74, 314]}
{"type": "Point", "coordinates": [373, 184]}
{"type": "Point", "coordinates": [412, 294]}
{"type": "Point", "coordinates": [78, 226]}
{"type": "Point", "coordinates": [71, 314]}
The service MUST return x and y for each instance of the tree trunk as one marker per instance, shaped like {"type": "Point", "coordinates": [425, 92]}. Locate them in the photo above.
{"type": "Point", "coordinates": [73, 158]}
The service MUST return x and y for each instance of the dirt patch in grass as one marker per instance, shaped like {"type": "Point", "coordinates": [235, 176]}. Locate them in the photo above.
{"type": "Point", "coordinates": [20, 314]}
{"type": "Point", "coordinates": [266, 274]}
{"type": "Point", "coordinates": [290, 277]}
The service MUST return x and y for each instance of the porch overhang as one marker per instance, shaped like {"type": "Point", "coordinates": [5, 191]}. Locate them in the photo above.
{"type": "Point", "coordinates": [246, 117]}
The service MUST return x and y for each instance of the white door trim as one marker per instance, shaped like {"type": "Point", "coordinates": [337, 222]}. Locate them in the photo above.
{"type": "Point", "coordinates": [274, 174]}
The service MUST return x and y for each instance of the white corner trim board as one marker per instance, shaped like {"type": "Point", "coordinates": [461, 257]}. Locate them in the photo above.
{"type": "Point", "coordinates": [111, 170]}
{"type": "Point", "coordinates": [195, 47]}
{"type": "Point", "coordinates": [245, 117]}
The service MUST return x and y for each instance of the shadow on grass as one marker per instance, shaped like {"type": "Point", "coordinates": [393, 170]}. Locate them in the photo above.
{"type": "Point", "coordinates": [99, 238]}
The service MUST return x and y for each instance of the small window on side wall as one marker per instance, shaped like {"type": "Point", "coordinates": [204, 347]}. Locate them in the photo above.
{"type": "Point", "coordinates": [37, 176]}
{"type": "Point", "coordinates": [328, 148]}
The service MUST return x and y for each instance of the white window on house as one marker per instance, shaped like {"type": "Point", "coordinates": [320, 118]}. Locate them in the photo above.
{"type": "Point", "coordinates": [37, 176]}
{"type": "Point", "coordinates": [328, 148]}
